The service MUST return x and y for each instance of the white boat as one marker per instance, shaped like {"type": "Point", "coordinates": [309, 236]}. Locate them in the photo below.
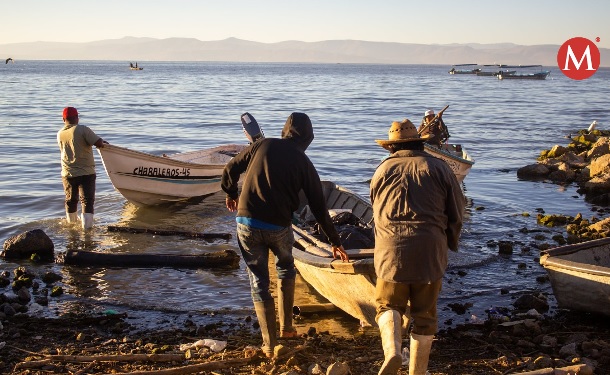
{"type": "Point", "coordinates": [580, 275]}
{"type": "Point", "coordinates": [455, 156]}
{"type": "Point", "coordinates": [348, 285]}
{"type": "Point", "coordinates": [147, 179]}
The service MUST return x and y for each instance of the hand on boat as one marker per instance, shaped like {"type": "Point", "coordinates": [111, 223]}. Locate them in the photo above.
{"type": "Point", "coordinates": [340, 252]}
{"type": "Point", "coordinates": [231, 204]}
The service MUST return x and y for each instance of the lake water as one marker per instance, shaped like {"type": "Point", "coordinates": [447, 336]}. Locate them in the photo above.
{"type": "Point", "coordinates": [175, 107]}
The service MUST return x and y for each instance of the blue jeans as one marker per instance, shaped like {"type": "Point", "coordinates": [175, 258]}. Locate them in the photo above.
{"type": "Point", "coordinates": [255, 245]}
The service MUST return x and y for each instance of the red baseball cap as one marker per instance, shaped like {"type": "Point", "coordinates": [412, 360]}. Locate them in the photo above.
{"type": "Point", "coordinates": [70, 112]}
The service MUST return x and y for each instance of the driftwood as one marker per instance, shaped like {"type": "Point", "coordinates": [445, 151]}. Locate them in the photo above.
{"type": "Point", "coordinates": [160, 232]}
{"type": "Point", "coordinates": [193, 369]}
{"type": "Point", "coordinates": [314, 308]}
{"type": "Point", "coordinates": [218, 259]}
{"type": "Point", "coordinates": [581, 369]}
{"type": "Point", "coordinates": [100, 358]}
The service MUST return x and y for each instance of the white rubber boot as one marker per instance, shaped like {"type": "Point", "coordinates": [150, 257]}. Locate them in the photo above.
{"type": "Point", "coordinates": [390, 327]}
{"type": "Point", "coordinates": [420, 354]}
{"type": "Point", "coordinates": [71, 217]}
{"type": "Point", "coordinates": [87, 220]}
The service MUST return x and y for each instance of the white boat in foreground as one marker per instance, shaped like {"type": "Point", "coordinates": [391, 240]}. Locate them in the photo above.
{"type": "Point", "coordinates": [580, 275]}
{"type": "Point", "coordinates": [348, 285]}
{"type": "Point", "coordinates": [147, 179]}
{"type": "Point", "coordinates": [455, 156]}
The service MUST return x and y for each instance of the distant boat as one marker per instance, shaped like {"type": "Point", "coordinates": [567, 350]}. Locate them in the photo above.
{"type": "Point", "coordinates": [496, 72]}
{"type": "Point", "coordinates": [9, 59]}
{"type": "Point", "coordinates": [542, 74]}
{"type": "Point", "coordinates": [464, 71]}
{"type": "Point", "coordinates": [134, 67]}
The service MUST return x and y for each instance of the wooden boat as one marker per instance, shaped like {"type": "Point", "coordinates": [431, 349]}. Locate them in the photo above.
{"type": "Point", "coordinates": [135, 68]}
{"type": "Point", "coordinates": [147, 179]}
{"type": "Point", "coordinates": [455, 155]}
{"type": "Point", "coordinates": [351, 285]}
{"type": "Point", "coordinates": [580, 275]}
{"type": "Point", "coordinates": [464, 71]}
{"type": "Point", "coordinates": [539, 75]}
{"type": "Point", "coordinates": [496, 73]}
{"type": "Point", "coordinates": [534, 75]}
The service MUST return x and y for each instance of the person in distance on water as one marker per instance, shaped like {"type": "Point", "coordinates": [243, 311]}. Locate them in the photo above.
{"type": "Point", "coordinates": [418, 207]}
{"type": "Point", "coordinates": [276, 170]}
{"type": "Point", "coordinates": [437, 131]}
{"type": "Point", "coordinates": [78, 166]}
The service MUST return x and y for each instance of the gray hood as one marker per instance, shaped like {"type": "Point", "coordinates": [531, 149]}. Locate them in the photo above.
{"type": "Point", "coordinates": [298, 128]}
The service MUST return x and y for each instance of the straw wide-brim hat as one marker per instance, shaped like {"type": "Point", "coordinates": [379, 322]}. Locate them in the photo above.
{"type": "Point", "coordinates": [403, 131]}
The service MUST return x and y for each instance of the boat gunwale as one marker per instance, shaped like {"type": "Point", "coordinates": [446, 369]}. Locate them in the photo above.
{"type": "Point", "coordinates": [550, 259]}
{"type": "Point", "coordinates": [155, 158]}
{"type": "Point", "coordinates": [451, 155]}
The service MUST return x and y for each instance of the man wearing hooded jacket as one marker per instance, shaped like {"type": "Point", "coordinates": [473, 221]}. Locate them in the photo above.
{"type": "Point", "coordinates": [276, 170]}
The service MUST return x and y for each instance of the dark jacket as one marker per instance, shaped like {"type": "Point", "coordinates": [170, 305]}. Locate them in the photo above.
{"type": "Point", "coordinates": [276, 170]}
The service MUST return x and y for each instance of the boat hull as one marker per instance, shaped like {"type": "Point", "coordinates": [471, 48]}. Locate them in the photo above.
{"type": "Point", "coordinates": [539, 76]}
{"type": "Point", "coordinates": [349, 286]}
{"type": "Point", "coordinates": [455, 156]}
{"type": "Point", "coordinates": [147, 179]}
{"type": "Point", "coordinates": [580, 275]}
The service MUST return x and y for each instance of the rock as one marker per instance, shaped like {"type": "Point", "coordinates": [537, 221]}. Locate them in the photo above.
{"type": "Point", "coordinates": [315, 369]}
{"type": "Point", "coordinates": [533, 171]}
{"type": "Point", "coordinates": [556, 151]}
{"type": "Point", "coordinates": [338, 368]}
{"type": "Point", "coordinates": [529, 301]}
{"type": "Point", "coordinates": [24, 295]}
{"type": "Point", "coordinates": [505, 247]}
{"type": "Point", "coordinates": [568, 350]}
{"type": "Point", "coordinates": [50, 277]}
{"type": "Point", "coordinates": [600, 165]}
{"type": "Point", "coordinates": [26, 244]}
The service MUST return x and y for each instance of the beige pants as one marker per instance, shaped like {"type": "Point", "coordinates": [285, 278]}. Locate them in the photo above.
{"type": "Point", "coordinates": [418, 301]}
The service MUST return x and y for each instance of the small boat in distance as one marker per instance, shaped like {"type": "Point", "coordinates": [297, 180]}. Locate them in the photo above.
{"type": "Point", "coordinates": [580, 275]}
{"type": "Point", "coordinates": [496, 72]}
{"type": "Point", "coordinates": [542, 74]}
{"type": "Point", "coordinates": [134, 67]}
{"type": "Point", "coordinates": [464, 71]}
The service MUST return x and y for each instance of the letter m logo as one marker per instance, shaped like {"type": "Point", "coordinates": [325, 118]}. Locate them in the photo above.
{"type": "Point", "coordinates": [578, 58]}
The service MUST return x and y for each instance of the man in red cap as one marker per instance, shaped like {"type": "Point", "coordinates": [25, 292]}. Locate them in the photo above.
{"type": "Point", "coordinates": [77, 166]}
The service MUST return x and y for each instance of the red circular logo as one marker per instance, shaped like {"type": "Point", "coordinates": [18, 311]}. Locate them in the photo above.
{"type": "Point", "coordinates": [578, 58]}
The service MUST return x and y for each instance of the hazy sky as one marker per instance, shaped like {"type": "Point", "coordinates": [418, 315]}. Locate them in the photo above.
{"type": "Point", "coordinates": [526, 22]}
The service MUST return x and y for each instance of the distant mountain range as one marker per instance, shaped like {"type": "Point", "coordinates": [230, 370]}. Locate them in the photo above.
{"type": "Point", "coordinates": [329, 51]}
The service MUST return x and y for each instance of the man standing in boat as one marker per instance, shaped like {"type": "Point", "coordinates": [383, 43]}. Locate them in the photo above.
{"type": "Point", "coordinates": [276, 170]}
{"type": "Point", "coordinates": [418, 207]}
{"type": "Point", "coordinates": [78, 166]}
{"type": "Point", "coordinates": [435, 127]}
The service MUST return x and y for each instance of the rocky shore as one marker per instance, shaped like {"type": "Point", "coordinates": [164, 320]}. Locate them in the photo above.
{"type": "Point", "coordinates": [521, 339]}
{"type": "Point", "coordinates": [106, 345]}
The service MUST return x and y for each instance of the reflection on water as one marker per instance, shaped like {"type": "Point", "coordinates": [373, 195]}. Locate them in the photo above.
{"type": "Point", "coordinates": [520, 119]}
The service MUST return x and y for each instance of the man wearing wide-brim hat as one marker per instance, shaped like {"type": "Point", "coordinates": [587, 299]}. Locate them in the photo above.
{"type": "Point", "coordinates": [418, 206]}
